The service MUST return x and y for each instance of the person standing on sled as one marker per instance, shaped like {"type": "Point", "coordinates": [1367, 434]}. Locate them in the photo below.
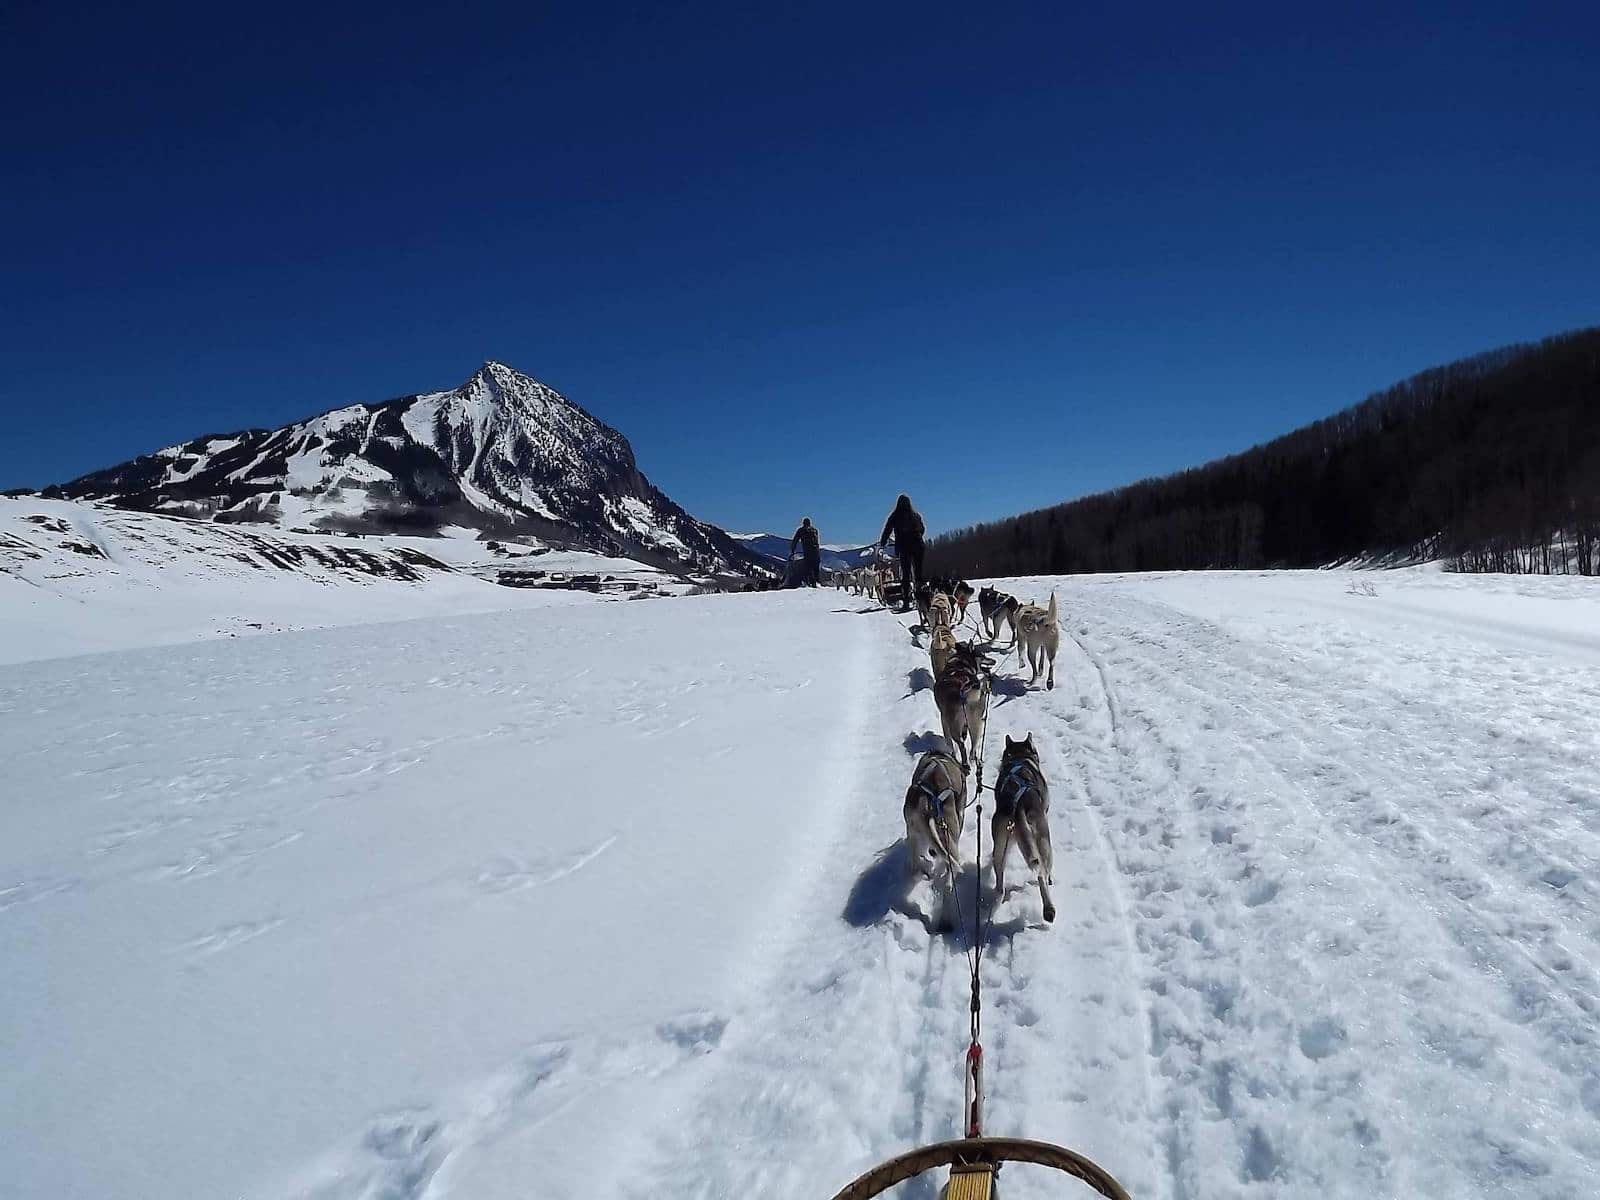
{"type": "Point", "coordinates": [806, 538]}
{"type": "Point", "coordinates": [906, 526]}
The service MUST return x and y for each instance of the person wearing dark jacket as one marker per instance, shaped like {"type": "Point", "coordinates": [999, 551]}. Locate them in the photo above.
{"type": "Point", "coordinates": [906, 526]}
{"type": "Point", "coordinates": [806, 538]}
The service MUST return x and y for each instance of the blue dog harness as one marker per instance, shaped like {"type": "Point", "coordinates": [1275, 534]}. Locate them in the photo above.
{"type": "Point", "coordinates": [939, 797]}
{"type": "Point", "coordinates": [1014, 775]}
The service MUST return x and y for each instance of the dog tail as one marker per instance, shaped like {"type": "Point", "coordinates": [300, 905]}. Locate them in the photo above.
{"type": "Point", "coordinates": [1051, 611]}
{"type": "Point", "coordinates": [1005, 831]}
{"type": "Point", "coordinates": [1027, 842]}
{"type": "Point", "coordinates": [940, 835]}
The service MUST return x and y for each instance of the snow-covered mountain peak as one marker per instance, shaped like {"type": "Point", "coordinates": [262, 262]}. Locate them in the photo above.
{"type": "Point", "coordinates": [502, 454]}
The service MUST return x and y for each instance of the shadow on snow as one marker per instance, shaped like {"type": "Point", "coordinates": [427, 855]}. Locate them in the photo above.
{"type": "Point", "coordinates": [886, 886]}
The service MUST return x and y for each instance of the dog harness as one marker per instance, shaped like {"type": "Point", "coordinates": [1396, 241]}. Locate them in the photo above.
{"type": "Point", "coordinates": [1014, 774]}
{"type": "Point", "coordinates": [939, 797]}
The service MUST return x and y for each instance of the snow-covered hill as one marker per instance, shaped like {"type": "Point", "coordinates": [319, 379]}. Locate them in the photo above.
{"type": "Point", "coordinates": [502, 454]}
{"type": "Point", "coordinates": [609, 900]}
{"type": "Point", "coordinates": [76, 577]}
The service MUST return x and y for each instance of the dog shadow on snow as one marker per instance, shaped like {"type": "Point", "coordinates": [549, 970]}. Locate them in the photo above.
{"type": "Point", "coordinates": [886, 886]}
{"type": "Point", "coordinates": [918, 679]}
{"type": "Point", "coordinates": [1009, 687]}
{"type": "Point", "coordinates": [921, 743]}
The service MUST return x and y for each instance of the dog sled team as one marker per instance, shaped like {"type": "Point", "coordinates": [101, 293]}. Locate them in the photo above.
{"type": "Point", "coordinates": [943, 782]}
{"type": "Point", "coordinates": [938, 796]}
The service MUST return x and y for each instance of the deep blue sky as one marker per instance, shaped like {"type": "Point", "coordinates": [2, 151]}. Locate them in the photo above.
{"type": "Point", "coordinates": [995, 255]}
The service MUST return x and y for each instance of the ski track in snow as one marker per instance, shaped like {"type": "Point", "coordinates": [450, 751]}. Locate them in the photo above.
{"type": "Point", "coordinates": [1324, 868]}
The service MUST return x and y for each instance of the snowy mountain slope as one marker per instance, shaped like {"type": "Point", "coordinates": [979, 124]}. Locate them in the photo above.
{"type": "Point", "coordinates": [81, 577]}
{"type": "Point", "coordinates": [501, 453]}
{"type": "Point", "coordinates": [612, 897]}
{"type": "Point", "coordinates": [775, 547]}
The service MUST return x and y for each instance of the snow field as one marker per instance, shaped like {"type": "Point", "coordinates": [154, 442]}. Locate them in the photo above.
{"type": "Point", "coordinates": [397, 909]}
{"type": "Point", "coordinates": [612, 899]}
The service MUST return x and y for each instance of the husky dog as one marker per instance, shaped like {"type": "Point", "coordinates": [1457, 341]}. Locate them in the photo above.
{"type": "Point", "coordinates": [997, 610]}
{"type": "Point", "coordinates": [962, 696]}
{"type": "Point", "coordinates": [882, 578]}
{"type": "Point", "coordinates": [958, 590]}
{"type": "Point", "coordinates": [962, 594]}
{"type": "Point", "coordinates": [935, 810]}
{"type": "Point", "coordinates": [940, 648]}
{"type": "Point", "coordinates": [1039, 635]}
{"type": "Point", "coordinates": [940, 612]}
{"type": "Point", "coordinates": [1021, 809]}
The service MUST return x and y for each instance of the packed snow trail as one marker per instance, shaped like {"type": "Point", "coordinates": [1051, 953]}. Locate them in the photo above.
{"type": "Point", "coordinates": [1328, 927]}
{"type": "Point", "coordinates": [857, 1055]}
{"type": "Point", "coordinates": [612, 899]}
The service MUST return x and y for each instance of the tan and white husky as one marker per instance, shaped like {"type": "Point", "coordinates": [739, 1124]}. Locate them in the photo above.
{"type": "Point", "coordinates": [940, 649]}
{"type": "Point", "coordinates": [935, 810]}
{"type": "Point", "coordinates": [1038, 638]}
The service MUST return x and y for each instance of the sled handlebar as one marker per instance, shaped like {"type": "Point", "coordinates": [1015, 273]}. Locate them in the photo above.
{"type": "Point", "coordinates": [989, 1151]}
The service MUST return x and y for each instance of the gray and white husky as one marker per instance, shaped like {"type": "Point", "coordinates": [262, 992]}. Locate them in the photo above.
{"type": "Point", "coordinates": [935, 811]}
{"type": "Point", "coordinates": [1022, 813]}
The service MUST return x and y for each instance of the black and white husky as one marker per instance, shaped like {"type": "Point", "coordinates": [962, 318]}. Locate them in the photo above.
{"type": "Point", "coordinates": [935, 811]}
{"type": "Point", "coordinates": [998, 610]}
{"type": "Point", "coordinates": [1022, 813]}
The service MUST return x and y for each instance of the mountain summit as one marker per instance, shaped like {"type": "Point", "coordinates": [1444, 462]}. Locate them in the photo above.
{"type": "Point", "coordinates": [500, 455]}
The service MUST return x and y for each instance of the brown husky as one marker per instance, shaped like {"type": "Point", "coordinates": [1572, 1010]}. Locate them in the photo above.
{"type": "Point", "coordinates": [1022, 808]}
{"type": "Point", "coordinates": [935, 810]}
{"type": "Point", "coordinates": [962, 696]}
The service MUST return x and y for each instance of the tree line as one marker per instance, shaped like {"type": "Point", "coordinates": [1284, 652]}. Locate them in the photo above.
{"type": "Point", "coordinates": [1490, 464]}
